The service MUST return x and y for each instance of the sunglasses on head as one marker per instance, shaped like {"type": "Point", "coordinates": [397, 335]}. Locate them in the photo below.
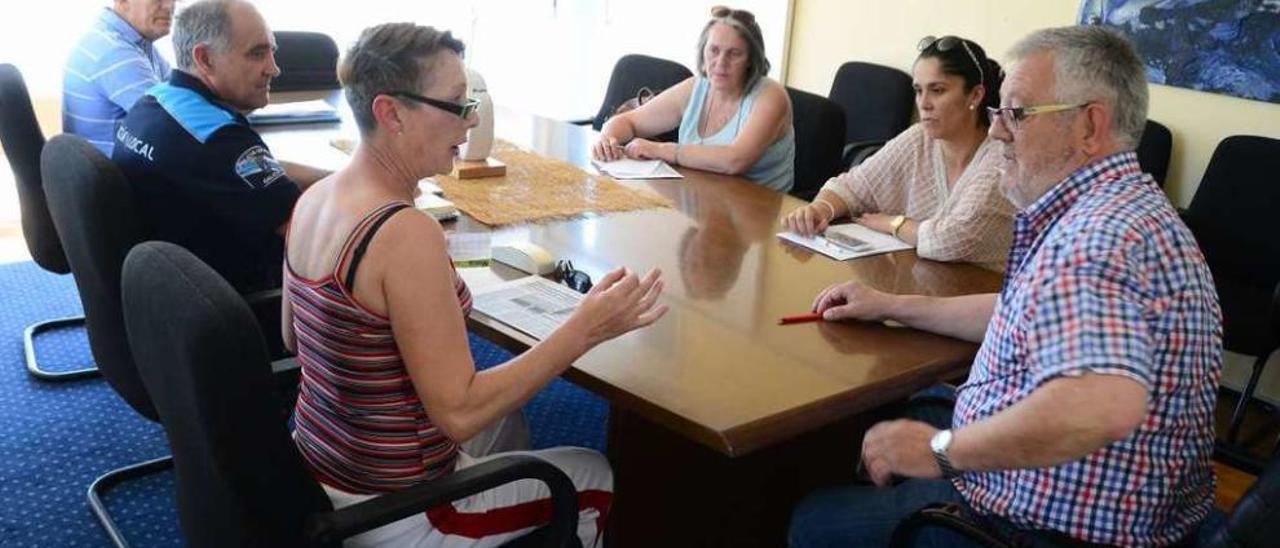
{"type": "Point", "coordinates": [566, 274]}
{"type": "Point", "coordinates": [743, 16]}
{"type": "Point", "coordinates": [460, 110]}
{"type": "Point", "coordinates": [948, 43]}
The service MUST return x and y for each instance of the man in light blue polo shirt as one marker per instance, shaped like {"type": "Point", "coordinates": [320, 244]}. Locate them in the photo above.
{"type": "Point", "coordinates": [112, 66]}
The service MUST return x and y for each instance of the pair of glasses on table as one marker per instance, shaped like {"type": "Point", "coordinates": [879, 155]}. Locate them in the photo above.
{"type": "Point", "coordinates": [566, 274]}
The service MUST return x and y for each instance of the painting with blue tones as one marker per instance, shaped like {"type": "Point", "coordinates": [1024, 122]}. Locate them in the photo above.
{"type": "Point", "coordinates": [1222, 46]}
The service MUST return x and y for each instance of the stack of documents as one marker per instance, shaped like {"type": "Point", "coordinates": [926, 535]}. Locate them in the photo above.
{"type": "Point", "coordinates": [533, 305]}
{"type": "Point", "coordinates": [469, 249]}
{"type": "Point", "coordinates": [294, 113]}
{"type": "Point", "coordinates": [436, 206]}
{"type": "Point", "coordinates": [627, 168]}
{"type": "Point", "coordinates": [849, 241]}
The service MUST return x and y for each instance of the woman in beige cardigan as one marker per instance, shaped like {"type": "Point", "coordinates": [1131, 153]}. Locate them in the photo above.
{"type": "Point", "coordinates": [935, 185]}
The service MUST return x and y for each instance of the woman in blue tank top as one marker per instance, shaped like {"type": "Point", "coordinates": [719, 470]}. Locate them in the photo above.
{"type": "Point", "coordinates": [732, 118]}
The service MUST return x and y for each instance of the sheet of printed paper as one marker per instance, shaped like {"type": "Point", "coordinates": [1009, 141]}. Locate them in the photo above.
{"type": "Point", "coordinates": [533, 305]}
{"type": "Point", "coordinates": [848, 241]}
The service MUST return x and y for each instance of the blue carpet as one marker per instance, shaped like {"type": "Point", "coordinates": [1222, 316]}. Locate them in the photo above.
{"type": "Point", "coordinates": [55, 438]}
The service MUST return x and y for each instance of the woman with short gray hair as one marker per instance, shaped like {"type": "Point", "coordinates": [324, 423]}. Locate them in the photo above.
{"type": "Point", "coordinates": [733, 119]}
{"type": "Point", "coordinates": [389, 395]}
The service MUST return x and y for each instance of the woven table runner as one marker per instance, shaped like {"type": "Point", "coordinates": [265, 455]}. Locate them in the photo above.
{"type": "Point", "coordinates": [537, 188]}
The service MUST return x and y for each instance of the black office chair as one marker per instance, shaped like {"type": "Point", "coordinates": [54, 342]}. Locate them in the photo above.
{"type": "Point", "coordinates": [633, 72]}
{"type": "Point", "coordinates": [819, 128]}
{"type": "Point", "coordinates": [241, 481]}
{"type": "Point", "coordinates": [22, 140]}
{"type": "Point", "coordinates": [1235, 216]}
{"type": "Point", "coordinates": [877, 102]}
{"type": "Point", "coordinates": [92, 208]}
{"type": "Point", "coordinates": [1255, 521]}
{"type": "Point", "coordinates": [308, 61]}
{"type": "Point", "coordinates": [1155, 148]}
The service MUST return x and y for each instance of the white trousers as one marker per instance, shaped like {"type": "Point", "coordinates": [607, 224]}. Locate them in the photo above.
{"type": "Point", "coordinates": [501, 514]}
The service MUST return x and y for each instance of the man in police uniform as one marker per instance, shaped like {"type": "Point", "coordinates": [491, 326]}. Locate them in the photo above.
{"type": "Point", "coordinates": [201, 176]}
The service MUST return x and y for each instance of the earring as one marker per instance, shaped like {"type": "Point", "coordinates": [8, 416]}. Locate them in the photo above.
{"type": "Point", "coordinates": [971, 107]}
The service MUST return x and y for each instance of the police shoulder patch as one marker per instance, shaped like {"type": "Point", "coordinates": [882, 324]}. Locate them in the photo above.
{"type": "Point", "coordinates": [258, 168]}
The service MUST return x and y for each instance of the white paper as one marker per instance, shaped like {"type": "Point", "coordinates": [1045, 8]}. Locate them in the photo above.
{"type": "Point", "coordinates": [469, 249]}
{"type": "Point", "coordinates": [428, 186]}
{"type": "Point", "coordinates": [848, 241]}
{"type": "Point", "coordinates": [300, 111]}
{"type": "Point", "coordinates": [627, 168]}
{"type": "Point", "coordinates": [297, 108]}
{"type": "Point", "coordinates": [436, 206]}
{"type": "Point", "coordinates": [533, 305]}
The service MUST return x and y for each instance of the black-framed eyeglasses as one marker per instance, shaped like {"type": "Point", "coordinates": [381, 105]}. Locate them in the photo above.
{"type": "Point", "coordinates": [947, 43]}
{"type": "Point", "coordinates": [460, 110]}
{"type": "Point", "coordinates": [743, 16]}
{"type": "Point", "coordinates": [1011, 116]}
{"type": "Point", "coordinates": [566, 274]}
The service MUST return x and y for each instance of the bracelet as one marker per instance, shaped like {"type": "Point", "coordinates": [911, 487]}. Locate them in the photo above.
{"type": "Point", "coordinates": [675, 157]}
{"type": "Point", "coordinates": [829, 206]}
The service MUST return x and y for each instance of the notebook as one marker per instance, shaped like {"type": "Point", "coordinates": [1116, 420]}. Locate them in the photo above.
{"type": "Point", "coordinates": [294, 113]}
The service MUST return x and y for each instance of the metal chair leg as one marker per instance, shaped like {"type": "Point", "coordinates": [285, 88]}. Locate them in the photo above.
{"type": "Point", "coordinates": [1237, 416]}
{"type": "Point", "coordinates": [29, 348]}
{"type": "Point", "coordinates": [105, 482]}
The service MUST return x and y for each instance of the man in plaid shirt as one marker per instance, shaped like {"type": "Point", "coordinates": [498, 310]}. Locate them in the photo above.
{"type": "Point", "coordinates": [1088, 413]}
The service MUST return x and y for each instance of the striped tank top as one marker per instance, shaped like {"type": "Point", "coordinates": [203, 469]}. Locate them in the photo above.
{"type": "Point", "coordinates": [360, 425]}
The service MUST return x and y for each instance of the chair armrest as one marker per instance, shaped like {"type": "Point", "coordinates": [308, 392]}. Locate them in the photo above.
{"type": "Point", "coordinates": [1273, 315]}
{"type": "Point", "coordinates": [949, 516]}
{"type": "Point", "coordinates": [262, 297]}
{"type": "Point", "coordinates": [331, 527]}
{"type": "Point", "coordinates": [857, 151]}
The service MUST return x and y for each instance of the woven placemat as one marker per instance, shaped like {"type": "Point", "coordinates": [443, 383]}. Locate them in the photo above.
{"type": "Point", "coordinates": [537, 188]}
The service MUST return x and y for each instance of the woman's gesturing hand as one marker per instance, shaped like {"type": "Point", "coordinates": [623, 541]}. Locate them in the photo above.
{"type": "Point", "coordinates": [619, 303]}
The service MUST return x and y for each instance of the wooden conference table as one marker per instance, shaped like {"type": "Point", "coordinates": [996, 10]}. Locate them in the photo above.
{"type": "Point", "coordinates": [720, 418]}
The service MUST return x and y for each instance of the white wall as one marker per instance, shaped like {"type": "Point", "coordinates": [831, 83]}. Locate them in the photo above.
{"type": "Point", "coordinates": [554, 58]}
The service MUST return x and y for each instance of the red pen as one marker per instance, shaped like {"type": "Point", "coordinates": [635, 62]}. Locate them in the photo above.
{"type": "Point", "coordinates": [801, 318]}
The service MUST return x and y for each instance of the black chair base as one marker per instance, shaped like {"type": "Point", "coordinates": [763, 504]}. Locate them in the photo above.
{"type": "Point", "coordinates": [1237, 416]}
{"type": "Point", "coordinates": [29, 348]}
{"type": "Point", "coordinates": [105, 482]}
{"type": "Point", "coordinates": [1238, 457]}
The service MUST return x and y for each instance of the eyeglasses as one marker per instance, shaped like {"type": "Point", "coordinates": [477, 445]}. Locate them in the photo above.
{"type": "Point", "coordinates": [460, 110]}
{"type": "Point", "coordinates": [743, 16]}
{"type": "Point", "coordinates": [1010, 116]}
{"type": "Point", "coordinates": [566, 274]}
{"type": "Point", "coordinates": [947, 43]}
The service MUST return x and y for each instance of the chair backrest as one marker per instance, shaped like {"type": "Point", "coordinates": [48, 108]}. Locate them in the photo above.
{"type": "Point", "coordinates": [1256, 518]}
{"type": "Point", "coordinates": [240, 480]}
{"type": "Point", "coordinates": [308, 61]}
{"type": "Point", "coordinates": [820, 129]}
{"type": "Point", "coordinates": [22, 140]}
{"type": "Point", "coordinates": [1235, 212]}
{"type": "Point", "coordinates": [633, 72]}
{"type": "Point", "coordinates": [92, 206]}
{"type": "Point", "coordinates": [1154, 150]}
{"type": "Point", "coordinates": [877, 100]}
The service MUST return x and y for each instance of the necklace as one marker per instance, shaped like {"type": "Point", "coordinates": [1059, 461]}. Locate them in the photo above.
{"type": "Point", "coordinates": [723, 119]}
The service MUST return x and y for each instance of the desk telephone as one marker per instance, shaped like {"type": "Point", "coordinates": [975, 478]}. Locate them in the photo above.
{"type": "Point", "coordinates": [526, 257]}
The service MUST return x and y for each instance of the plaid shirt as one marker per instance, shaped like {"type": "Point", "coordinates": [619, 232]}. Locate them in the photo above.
{"type": "Point", "coordinates": [1104, 278]}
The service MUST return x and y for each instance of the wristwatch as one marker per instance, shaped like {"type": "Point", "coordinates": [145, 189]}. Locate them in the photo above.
{"type": "Point", "coordinates": [939, 445]}
{"type": "Point", "coordinates": [897, 223]}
